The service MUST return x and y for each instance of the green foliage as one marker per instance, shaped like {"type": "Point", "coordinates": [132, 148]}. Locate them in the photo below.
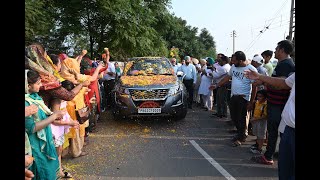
{"type": "Point", "coordinates": [127, 27]}
{"type": "Point", "coordinates": [37, 19]}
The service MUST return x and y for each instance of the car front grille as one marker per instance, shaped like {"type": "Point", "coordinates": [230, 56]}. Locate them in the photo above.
{"type": "Point", "coordinates": [150, 94]}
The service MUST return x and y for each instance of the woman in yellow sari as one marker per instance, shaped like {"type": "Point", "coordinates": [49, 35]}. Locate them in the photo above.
{"type": "Point", "coordinates": [70, 70]}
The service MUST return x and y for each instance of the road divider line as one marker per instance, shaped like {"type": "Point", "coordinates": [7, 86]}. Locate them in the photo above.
{"type": "Point", "coordinates": [212, 161]}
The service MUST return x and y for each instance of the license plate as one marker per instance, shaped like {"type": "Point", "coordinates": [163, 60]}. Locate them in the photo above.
{"type": "Point", "coordinates": [149, 110]}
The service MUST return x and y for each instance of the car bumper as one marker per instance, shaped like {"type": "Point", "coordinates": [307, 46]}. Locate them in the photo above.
{"type": "Point", "coordinates": [126, 106]}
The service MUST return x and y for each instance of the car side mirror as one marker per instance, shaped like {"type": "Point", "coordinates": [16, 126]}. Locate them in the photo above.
{"type": "Point", "coordinates": [179, 73]}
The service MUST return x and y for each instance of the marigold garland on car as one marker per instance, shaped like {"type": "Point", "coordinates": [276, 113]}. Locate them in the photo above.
{"type": "Point", "coordinates": [147, 80]}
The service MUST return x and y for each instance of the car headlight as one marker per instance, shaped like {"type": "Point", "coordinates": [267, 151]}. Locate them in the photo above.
{"type": "Point", "coordinates": [175, 90]}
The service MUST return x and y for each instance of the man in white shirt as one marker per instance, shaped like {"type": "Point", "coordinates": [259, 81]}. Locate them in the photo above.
{"type": "Point", "coordinates": [241, 95]}
{"type": "Point", "coordinates": [219, 73]}
{"type": "Point", "coordinates": [190, 78]}
{"type": "Point", "coordinates": [286, 162]}
{"type": "Point", "coordinates": [108, 78]}
{"type": "Point", "coordinates": [174, 65]}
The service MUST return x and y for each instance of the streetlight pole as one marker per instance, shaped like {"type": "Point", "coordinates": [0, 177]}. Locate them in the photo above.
{"type": "Point", "coordinates": [291, 20]}
{"type": "Point", "coordinates": [233, 35]}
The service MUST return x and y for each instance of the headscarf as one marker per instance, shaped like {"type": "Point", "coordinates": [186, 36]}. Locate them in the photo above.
{"type": "Point", "coordinates": [55, 73]}
{"type": "Point", "coordinates": [70, 70]}
{"type": "Point", "coordinates": [210, 60]}
{"type": "Point", "coordinates": [203, 61]}
{"type": "Point", "coordinates": [37, 61]}
{"type": "Point", "coordinates": [195, 61]}
{"type": "Point", "coordinates": [187, 58]}
{"type": "Point", "coordinates": [48, 150]}
{"type": "Point", "coordinates": [34, 98]}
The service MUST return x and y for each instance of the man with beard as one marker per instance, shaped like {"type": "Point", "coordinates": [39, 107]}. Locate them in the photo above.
{"type": "Point", "coordinates": [277, 99]}
{"type": "Point", "coordinates": [241, 95]}
{"type": "Point", "coordinates": [190, 78]}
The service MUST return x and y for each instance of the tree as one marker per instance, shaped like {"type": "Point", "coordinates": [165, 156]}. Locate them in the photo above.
{"type": "Point", "coordinates": [38, 18]}
{"type": "Point", "coordinates": [127, 27]}
{"type": "Point", "coordinates": [209, 44]}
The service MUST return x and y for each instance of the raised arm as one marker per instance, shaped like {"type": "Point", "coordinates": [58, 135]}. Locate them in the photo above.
{"type": "Point", "coordinates": [221, 83]}
{"type": "Point", "coordinates": [273, 81]}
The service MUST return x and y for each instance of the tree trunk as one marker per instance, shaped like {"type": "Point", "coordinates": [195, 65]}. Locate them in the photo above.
{"type": "Point", "coordinates": [90, 34]}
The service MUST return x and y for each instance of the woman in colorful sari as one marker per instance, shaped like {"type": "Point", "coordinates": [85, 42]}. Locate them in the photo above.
{"type": "Point", "coordinates": [37, 59]}
{"type": "Point", "coordinates": [45, 165]}
{"type": "Point", "coordinates": [75, 136]}
{"type": "Point", "coordinates": [29, 110]}
{"type": "Point", "coordinates": [70, 70]}
{"type": "Point", "coordinates": [95, 92]}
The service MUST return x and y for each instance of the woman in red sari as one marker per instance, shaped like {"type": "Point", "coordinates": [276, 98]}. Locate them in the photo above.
{"type": "Point", "coordinates": [94, 87]}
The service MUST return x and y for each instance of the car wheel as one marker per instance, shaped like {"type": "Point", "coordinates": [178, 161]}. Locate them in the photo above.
{"type": "Point", "coordinates": [182, 114]}
{"type": "Point", "coordinates": [117, 116]}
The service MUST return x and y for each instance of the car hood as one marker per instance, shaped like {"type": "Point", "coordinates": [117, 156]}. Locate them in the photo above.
{"type": "Point", "coordinates": [152, 81]}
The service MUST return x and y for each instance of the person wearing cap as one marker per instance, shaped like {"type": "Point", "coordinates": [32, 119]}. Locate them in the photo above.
{"type": "Point", "coordinates": [174, 65]}
{"type": "Point", "coordinates": [195, 61]}
{"type": "Point", "coordinates": [257, 62]}
{"type": "Point", "coordinates": [206, 80]}
{"type": "Point", "coordinates": [277, 99]}
{"type": "Point", "coordinates": [190, 78]}
{"type": "Point", "coordinates": [215, 65]}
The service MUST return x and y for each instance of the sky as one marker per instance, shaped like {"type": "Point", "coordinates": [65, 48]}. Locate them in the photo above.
{"type": "Point", "coordinates": [246, 17]}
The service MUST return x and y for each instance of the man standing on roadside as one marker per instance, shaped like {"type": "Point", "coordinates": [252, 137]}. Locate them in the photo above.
{"type": "Point", "coordinates": [286, 163]}
{"type": "Point", "coordinates": [174, 65]}
{"type": "Point", "coordinates": [241, 95]}
{"type": "Point", "coordinates": [277, 99]}
{"type": "Point", "coordinates": [190, 79]}
{"type": "Point", "coordinates": [109, 78]}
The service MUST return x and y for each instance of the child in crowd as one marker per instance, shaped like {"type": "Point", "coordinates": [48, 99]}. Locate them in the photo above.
{"type": "Point", "coordinates": [75, 137]}
{"type": "Point", "coordinates": [259, 121]}
{"type": "Point", "coordinates": [45, 165]}
{"type": "Point", "coordinates": [60, 129]}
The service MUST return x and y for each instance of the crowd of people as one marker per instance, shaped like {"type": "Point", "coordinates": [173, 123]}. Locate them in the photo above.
{"type": "Point", "coordinates": [64, 97]}
{"type": "Point", "coordinates": [62, 106]}
{"type": "Point", "coordinates": [256, 105]}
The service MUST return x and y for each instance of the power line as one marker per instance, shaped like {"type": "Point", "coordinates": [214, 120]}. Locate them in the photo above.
{"type": "Point", "coordinates": [278, 22]}
{"type": "Point", "coordinates": [266, 27]}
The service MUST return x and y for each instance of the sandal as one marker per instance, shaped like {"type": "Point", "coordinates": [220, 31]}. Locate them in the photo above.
{"type": "Point", "coordinates": [83, 154]}
{"type": "Point", "coordinates": [67, 175]}
{"type": "Point", "coordinates": [262, 160]}
{"type": "Point", "coordinates": [236, 143]}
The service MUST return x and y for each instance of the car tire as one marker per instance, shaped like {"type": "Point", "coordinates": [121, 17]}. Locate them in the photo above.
{"type": "Point", "coordinates": [117, 116]}
{"type": "Point", "coordinates": [181, 115]}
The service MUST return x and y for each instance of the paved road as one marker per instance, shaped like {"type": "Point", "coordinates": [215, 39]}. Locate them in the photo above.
{"type": "Point", "coordinates": [197, 147]}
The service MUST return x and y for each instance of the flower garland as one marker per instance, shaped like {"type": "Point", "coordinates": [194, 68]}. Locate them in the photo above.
{"type": "Point", "coordinates": [148, 80]}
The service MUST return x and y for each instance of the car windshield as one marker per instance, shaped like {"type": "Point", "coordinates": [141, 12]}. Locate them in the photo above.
{"type": "Point", "coordinates": [148, 67]}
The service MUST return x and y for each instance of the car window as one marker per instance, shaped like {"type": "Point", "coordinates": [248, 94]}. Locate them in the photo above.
{"type": "Point", "coordinates": [148, 67]}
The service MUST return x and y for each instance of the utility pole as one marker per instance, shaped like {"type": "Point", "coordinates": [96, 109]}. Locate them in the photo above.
{"type": "Point", "coordinates": [233, 35]}
{"type": "Point", "coordinates": [291, 26]}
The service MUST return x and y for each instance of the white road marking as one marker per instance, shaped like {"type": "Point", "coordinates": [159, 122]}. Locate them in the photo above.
{"type": "Point", "coordinates": [212, 161]}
